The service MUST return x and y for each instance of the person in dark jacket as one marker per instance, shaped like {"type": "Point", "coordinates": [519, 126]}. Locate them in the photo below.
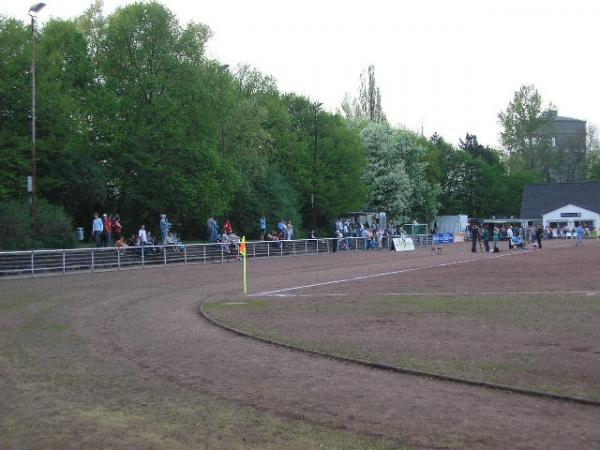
{"type": "Point", "coordinates": [486, 238]}
{"type": "Point", "coordinates": [475, 236]}
{"type": "Point", "coordinates": [539, 232]}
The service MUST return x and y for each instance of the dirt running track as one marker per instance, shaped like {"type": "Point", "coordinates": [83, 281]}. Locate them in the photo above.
{"type": "Point", "coordinates": [147, 319]}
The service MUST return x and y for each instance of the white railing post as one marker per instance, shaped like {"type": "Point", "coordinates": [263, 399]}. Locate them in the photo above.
{"type": "Point", "coordinates": [254, 250]}
{"type": "Point", "coordinates": [281, 248]}
{"type": "Point", "coordinates": [294, 247]}
{"type": "Point", "coordinates": [143, 256]}
{"type": "Point", "coordinates": [268, 250]}
{"type": "Point", "coordinates": [164, 255]}
{"type": "Point", "coordinates": [204, 247]}
{"type": "Point", "coordinates": [32, 266]}
{"type": "Point", "coordinates": [317, 246]}
{"type": "Point", "coordinates": [306, 247]}
{"type": "Point", "coordinates": [64, 260]}
{"type": "Point", "coordinates": [222, 250]}
{"type": "Point", "coordinates": [185, 254]}
{"type": "Point", "coordinates": [118, 259]}
{"type": "Point", "coordinates": [93, 259]}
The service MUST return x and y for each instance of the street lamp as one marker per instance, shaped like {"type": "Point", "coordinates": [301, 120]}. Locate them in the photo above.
{"type": "Point", "coordinates": [32, 13]}
{"type": "Point", "coordinates": [316, 107]}
{"type": "Point", "coordinates": [222, 68]}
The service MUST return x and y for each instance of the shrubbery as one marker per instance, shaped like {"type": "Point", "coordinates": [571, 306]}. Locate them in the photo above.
{"type": "Point", "coordinates": [53, 227]}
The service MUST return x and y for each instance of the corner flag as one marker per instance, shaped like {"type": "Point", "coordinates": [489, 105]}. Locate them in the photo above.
{"type": "Point", "coordinates": [243, 253]}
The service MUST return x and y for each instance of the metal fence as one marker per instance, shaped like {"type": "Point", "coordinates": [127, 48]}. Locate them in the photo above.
{"type": "Point", "coordinates": [39, 262]}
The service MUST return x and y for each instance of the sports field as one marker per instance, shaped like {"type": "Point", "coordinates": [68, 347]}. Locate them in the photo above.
{"type": "Point", "coordinates": [124, 359]}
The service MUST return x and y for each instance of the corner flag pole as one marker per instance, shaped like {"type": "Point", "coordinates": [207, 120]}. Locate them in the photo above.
{"type": "Point", "coordinates": [243, 253]}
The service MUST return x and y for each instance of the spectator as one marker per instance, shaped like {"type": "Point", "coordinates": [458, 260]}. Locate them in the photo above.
{"type": "Point", "coordinates": [366, 235]}
{"type": "Point", "coordinates": [142, 235]}
{"type": "Point", "coordinates": [97, 229]}
{"type": "Point", "coordinates": [107, 234]}
{"type": "Point", "coordinates": [213, 230]}
{"type": "Point", "coordinates": [165, 226]}
{"type": "Point", "coordinates": [104, 236]}
{"type": "Point", "coordinates": [227, 228]}
{"type": "Point", "coordinates": [290, 230]}
{"type": "Point", "coordinates": [262, 225]}
{"type": "Point", "coordinates": [579, 233]}
{"type": "Point", "coordinates": [281, 228]}
{"type": "Point", "coordinates": [116, 227]}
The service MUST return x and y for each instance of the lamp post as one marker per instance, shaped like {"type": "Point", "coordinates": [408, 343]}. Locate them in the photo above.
{"type": "Point", "coordinates": [316, 107]}
{"type": "Point", "coordinates": [32, 13]}
{"type": "Point", "coordinates": [223, 68]}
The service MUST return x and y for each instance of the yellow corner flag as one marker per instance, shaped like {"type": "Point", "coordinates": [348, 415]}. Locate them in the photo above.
{"type": "Point", "coordinates": [243, 246]}
{"type": "Point", "coordinates": [243, 253]}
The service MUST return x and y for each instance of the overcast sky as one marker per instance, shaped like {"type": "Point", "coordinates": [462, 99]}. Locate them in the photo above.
{"type": "Point", "coordinates": [449, 65]}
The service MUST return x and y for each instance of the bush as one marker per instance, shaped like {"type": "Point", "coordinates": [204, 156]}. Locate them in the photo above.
{"type": "Point", "coordinates": [53, 226]}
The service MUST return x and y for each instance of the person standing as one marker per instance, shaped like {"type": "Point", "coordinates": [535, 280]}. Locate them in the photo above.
{"type": "Point", "coordinates": [262, 225]}
{"type": "Point", "coordinates": [486, 238]}
{"type": "Point", "coordinates": [289, 230]}
{"type": "Point", "coordinates": [281, 228]}
{"type": "Point", "coordinates": [116, 227]}
{"type": "Point", "coordinates": [97, 230]}
{"type": "Point", "coordinates": [474, 237]}
{"type": "Point", "coordinates": [509, 235]}
{"type": "Point", "coordinates": [107, 230]}
{"type": "Point", "coordinates": [580, 234]}
{"type": "Point", "coordinates": [142, 235]}
{"type": "Point", "coordinates": [212, 227]}
{"type": "Point", "coordinates": [496, 239]}
{"type": "Point", "coordinates": [227, 228]}
{"type": "Point", "coordinates": [539, 232]}
{"type": "Point", "coordinates": [165, 226]}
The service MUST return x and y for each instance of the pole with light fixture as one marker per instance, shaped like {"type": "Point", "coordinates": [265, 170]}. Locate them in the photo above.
{"type": "Point", "coordinates": [222, 69]}
{"type": "Point", "coordinates": [32, 13]}
{"type": "Point", "coordinates": [316, 107]}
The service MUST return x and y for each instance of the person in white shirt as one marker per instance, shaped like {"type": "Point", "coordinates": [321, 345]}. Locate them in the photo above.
{"type": "Point", "coordinates": [97, 229]}
{"type": "Point", "coordinates": [509, 235]}
{"type": "Point", "coordinates": [142, 235]}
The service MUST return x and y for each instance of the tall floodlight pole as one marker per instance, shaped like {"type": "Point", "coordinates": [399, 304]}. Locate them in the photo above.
{"type": "Point", "coordinates": [316, 106]}
{"type": "Point", "coordinates": [223, 68]}
{"type": "Point", "coordinates": [32, 13]}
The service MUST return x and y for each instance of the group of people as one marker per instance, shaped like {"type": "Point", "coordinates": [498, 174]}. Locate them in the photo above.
{"type": "Point", "coordinates": [105, 229]}
{"type": "Point", "coordinates": [372, 235]}
{"type": "Point", "coordinates": [285, 230]}
{"type": "Point", "coordinates": [518, 236]}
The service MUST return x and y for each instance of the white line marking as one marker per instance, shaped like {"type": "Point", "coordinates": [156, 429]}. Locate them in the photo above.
{"type": "Point", "coordinates": [376, 275]}
{"type": "Point", "coordinates": [454, 294]}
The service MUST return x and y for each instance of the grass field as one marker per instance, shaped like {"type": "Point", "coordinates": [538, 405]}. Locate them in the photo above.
{"type": "Point", "coordinates": [543, 342]}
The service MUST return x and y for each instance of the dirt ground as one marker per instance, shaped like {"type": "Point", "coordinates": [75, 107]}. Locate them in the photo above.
{"type": "Point", "coordinates": [122, 360]}
{"type": "Point", "coordinates": [545, 337]}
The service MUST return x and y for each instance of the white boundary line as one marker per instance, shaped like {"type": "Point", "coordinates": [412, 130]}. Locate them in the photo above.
{"type": "Point", "coordinates": [376, 275]}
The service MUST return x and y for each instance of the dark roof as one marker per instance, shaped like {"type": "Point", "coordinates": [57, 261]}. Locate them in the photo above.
{"type": "Point", "coordinates": [539, 199]}
{"type": "Point", "coordinates": [568, 119]}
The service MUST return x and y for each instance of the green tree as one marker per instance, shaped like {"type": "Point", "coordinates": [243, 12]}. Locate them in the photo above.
{"type": "Point", "coordinates": [368, 104]}
{"type": "Point", "coordinates": [15, 104]}
{"type": "Point", "coordinates": [527, 130]}
{"type": "Point", "coordinates": [163, 125]}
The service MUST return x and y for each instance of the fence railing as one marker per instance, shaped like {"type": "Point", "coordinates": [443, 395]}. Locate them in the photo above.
{"type": "Point", "coordinates": [39, 262]}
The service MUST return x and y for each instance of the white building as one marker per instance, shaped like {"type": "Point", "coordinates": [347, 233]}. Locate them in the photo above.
{"type": "Point", "coordinates": [562, 205]}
